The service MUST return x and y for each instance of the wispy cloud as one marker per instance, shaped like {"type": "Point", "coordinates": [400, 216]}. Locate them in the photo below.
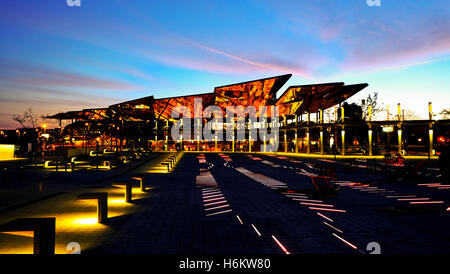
{"type": "Point", "coordinates": [42, 76]}
{"type": "Point", "coordinates": [393, 47]}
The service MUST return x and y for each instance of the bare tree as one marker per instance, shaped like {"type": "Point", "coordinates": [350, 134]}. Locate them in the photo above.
{"type": "Point", "coordinates": [409, 114]}
{"type": "Point", "coordinates": [31, 117]}
{"type": "Point", "coordinates": [370, 102]}
{"type": "Point", "coordinates": [27, 116]}
{"type": "Point", "coordinates": [21, 119]}
{"type": "Point", "coordinates": [445, 113]}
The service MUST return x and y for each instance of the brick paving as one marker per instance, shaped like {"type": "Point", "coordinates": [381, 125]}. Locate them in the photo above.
{"type": "Point", "coordinates": [171, 218]}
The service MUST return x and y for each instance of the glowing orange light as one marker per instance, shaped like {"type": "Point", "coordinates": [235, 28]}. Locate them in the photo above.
{"type": "Point", "coordinates": [353, 246]}
{"type": "Point", "coordinates": [213, 196]}
{"type": "Point", "coordinates": [215, 203]}
{"type": "Point", "coordinates": [307, 200]}
{"type": "Point", "coordinates": [211, 193]}
{"type": "Point", "coordinates": [217, 207]}
{"type": "Point", "coordinates": [295, 195]}
{"type": "Point", "coordinates": [441, 139]}
{"type": "Point", "coordinates": [280, 245]}
{"type": "Point", "coordinates": [401, 196]}
{"type": "Point", "coordinates": [327, 209]}
{"type": "Point", "coordinates": [414, 199]}
{"type": "Point", "coordinates": [215, 199]}
{"type": "Point", "coordinates": [44, 125]}
{"type": "Point", "coordinates": [333, 227]}
{"type": "Point", "coordinates": [311, 204]}
{"type": "Point", "coordinates": [325, 217]}
{"type": "Point", "coordinates": [210, 190]}
{"type": "Point", "coordinates": [431, 185]}
{"type": "Point", "coordinates": [220, 212]}
{"type": "Point", "coordinates": [257, 232]}
{"type": "Point", "coordinates": [428, 202]}
{"type": "Point", "coordinates": [237, 216]}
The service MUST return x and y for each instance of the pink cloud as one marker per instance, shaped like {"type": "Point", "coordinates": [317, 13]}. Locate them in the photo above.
{"type": "Point", "coordinates": [40, 76]}
{"type": "Point", "coordinates": [394, 47]}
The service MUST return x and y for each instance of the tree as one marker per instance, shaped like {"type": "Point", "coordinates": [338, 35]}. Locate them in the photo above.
{"type": "Point", "coordinates": [21, 119]}
{"type": "Point", "coordinates": [27, 116]}
{"type": "Point", "coordinates": [352, 112]}
{"type": "Point", "coordinates": [445, 113]}
{"type": "Point", "coordinates": [31, 117]}
{"type": "Point", "coordinates": [370, 102]}
{"type": "Point", "coordinates": [409, 114]}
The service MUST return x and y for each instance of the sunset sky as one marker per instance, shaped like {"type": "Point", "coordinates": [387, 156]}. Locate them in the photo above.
{"type": "Point", "coordinates": [56, 58]}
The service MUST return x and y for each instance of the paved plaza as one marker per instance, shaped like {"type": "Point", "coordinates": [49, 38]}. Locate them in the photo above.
{"type": "Point", "coordinates": [214, 203]}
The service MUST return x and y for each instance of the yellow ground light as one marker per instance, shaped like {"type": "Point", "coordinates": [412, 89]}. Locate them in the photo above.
{"type": "Point", "coordinates": [76, 221]}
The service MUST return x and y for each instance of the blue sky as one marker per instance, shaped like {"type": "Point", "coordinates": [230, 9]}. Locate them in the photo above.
{"type": "Point", "coordinates": [57, 58]}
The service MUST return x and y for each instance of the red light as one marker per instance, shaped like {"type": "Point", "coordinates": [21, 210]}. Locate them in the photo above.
{"type": "Point", "coordinates": [441, 139]}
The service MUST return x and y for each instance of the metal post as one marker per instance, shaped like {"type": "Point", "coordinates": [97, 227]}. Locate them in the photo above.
{"type": "Point", "coordinates": [285, 141]}
{"type": "Point", "coordinates": [321, 142]}
{"type": "Point", "coordinates": [308, 143]}
{"type": "Point", "coordinates": [430, 150]}
{"type": "Point", "coordinates": [233, 144]}
{"type": "Point", "coordinates": [96, 156]}
{"type": "Point", "coordinates": [430, 111]}
{"type": "Point", "coordinates": [343, 131]}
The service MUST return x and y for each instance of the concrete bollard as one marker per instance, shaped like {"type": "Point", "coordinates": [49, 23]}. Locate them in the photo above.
{"type": "Point", "coordinates": [44, 232]}
{"type": "Point", "coordinates": [102, 204]}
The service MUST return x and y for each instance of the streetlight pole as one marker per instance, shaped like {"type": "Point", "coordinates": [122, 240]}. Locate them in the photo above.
{"type": "Point", "coordinates": [96, 156]}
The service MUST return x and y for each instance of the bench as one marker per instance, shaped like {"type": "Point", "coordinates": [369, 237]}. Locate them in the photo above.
{"type": "Point", "coordinates": [43, 229]}
{"type": "Point", "coordinates": [322, 185]}
{"type": "Point", "coordinates": [141, 182]}
{"type": "Point", "coordinates": [168, 164]}
{"type": "Point", "coordinates": [128, 189]}
{"type": "Point", "coordinates": [102, 204]}
{"type": "Point", "coordinates": [173, 157]}
{"type": "Point", "coordinates": [172, 160]}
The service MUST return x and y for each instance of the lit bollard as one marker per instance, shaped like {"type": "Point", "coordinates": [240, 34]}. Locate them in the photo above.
{"type": "Point", "coordinates": [128, 189]}
{"type": "Point", "coordinates": [43, 230]}
{"type": "Point", "coordinates": [102, 204]}
{"type": "Point", "coordinates": [141, 182]}
{"type": "Point", "coordinates": [172, 161]}
{"type": "Point", "coordinates": [166, 164]}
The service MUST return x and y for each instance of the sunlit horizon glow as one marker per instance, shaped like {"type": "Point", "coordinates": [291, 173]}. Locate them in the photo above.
{"type": "Point", "coordinates": [56, 58]}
